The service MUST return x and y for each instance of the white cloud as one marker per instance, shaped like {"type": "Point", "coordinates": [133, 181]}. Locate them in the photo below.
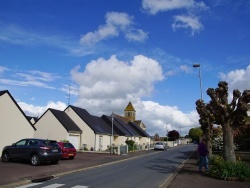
{"type": "Point", "coordinates": [238, 79]}
{"type": "Point", "coordinates": [2, 69]}
{"type": "Point", "coordinates": [37, 111]}
{"type": "Point", "coordinates": [115, 23]}
{"type": "Point", "coordinates": [31, 78]}
{"type": "Point", "coordinates": [187, 22]}
{"type": "Point", "coordinates": [155, 6]}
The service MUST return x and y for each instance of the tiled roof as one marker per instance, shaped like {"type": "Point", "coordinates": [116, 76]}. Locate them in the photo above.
{"type": "Point", "coordinates": [65, 120]}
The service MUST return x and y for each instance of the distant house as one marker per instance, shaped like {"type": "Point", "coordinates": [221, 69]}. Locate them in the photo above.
{"type": "Point", "coordinates": [57, 125]}
{"type": "Point", "coordinates": [14, 123]}
{"type": "Point", "coordinates": [96, 133]}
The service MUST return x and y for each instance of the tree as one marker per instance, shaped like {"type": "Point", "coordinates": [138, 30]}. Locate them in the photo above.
{"type": "Point", "coordinates": [206, 121]}
{"type": "Point", "coordinates": [173, 135]}
{"type": "Point", "coordinates": [195, 133]}
{"type": "Point", "coordinates": [228, 115]}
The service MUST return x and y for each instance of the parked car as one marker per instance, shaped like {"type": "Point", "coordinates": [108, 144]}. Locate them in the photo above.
{"type": "Point", "coordinates": [34, 150]}
{"type": "Point", "coordinates": [160, 146]}
{"type": "Point", "coordinates": [68, 150]}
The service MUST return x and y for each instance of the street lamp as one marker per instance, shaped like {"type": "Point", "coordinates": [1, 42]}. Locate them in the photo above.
{"type": "Point", "coordinates": [112, 133]}
{"type": "Point", "coordinates": [199, 66]}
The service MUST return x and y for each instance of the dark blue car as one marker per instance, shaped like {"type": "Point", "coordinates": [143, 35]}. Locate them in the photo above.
{"type": "Point", "coordinates": [34, 150]}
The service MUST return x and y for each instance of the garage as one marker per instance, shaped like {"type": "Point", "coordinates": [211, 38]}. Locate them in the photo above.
{"type": "Point", "coordinates": [74, 139]}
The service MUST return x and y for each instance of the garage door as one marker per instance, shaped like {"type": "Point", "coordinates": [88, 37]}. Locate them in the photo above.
{"type": "Point", "coordinates": [74, 139]}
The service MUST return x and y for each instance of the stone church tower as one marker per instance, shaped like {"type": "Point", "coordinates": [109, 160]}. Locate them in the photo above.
{"type": "Point", "coordinates": [130, 112]}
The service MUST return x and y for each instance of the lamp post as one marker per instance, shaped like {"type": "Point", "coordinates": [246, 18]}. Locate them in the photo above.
{"type": "Point", "coordinates": [199, 66]}
{"type": "Point", "coordinates": [112, 133]}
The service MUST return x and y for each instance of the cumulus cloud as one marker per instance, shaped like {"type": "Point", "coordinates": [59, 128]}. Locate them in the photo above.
{"type": "Point", "coordinates": [37, 111]}
{"type": "Point", "coordinates": [238, 79]}
{"type": "Point", "coordinates": [187, 22]}
{"type": "Point", "coordinates": [190, 21]}
{"type": "Point", "coordinates": [116, 22]}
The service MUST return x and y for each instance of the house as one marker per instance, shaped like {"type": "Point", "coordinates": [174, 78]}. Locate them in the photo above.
{"type": "Point", "coordinates": [96, 133]}
{"type": "Point", "coordinates": [57, 125]}
{"type": "Point", "coordinates": [33, 120]}
{"type": "Point", "coordinates": [14, 123]}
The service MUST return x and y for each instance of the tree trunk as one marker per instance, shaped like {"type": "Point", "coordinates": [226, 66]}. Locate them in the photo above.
{"type": "Point", "coordinates": [228, 143]}
{"type": "Point", "coordinates": [209, 143]}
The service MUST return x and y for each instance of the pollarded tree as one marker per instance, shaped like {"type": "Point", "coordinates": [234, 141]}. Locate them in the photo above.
{"type": "Point", "coordinates": [206, 121]}
{"type": "Point", "coordinates": [228, 115]}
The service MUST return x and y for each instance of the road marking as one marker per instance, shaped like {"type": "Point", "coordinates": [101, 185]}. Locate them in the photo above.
{"type": "Point", "coordinates": [29, 185]}
{"type": "Point", "coordinates": [55, 185]}
{"type": "Point", "coordinates": [50, 186]}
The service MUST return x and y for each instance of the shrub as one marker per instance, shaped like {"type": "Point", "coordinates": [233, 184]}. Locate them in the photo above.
{"type": "Point", "coordinates": [224, 170]}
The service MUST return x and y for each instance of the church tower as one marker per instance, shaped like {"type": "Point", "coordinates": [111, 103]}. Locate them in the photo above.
{"type": "Point", "coordinates": [130, 112]}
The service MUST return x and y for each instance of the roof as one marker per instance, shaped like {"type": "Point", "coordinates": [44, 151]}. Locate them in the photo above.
{"type": "Point", "coordinates": [97, 124]}
{"type": "Point", "coordinates": [139, 129]}
{"type": "Point", "coordinates": [129, 107]}
{"type": "Point", "coordinates": [128, 127]}
{"type": "Point", "coordinates": [116, 126]}
{"type": "Point", "coordinates": [7, 92]}
{"type": "Point", "coordinates": [65, 120]}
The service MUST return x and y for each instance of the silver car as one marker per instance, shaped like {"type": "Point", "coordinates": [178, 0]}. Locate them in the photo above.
{"type": "Point", "coordinates": [160, 146]}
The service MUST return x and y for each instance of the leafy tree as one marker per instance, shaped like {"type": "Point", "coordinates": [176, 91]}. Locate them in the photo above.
{"type": "Point", "coordinates": [229, 115]}
{"type": "Point", "coordinates": [206, 121]}
{"type": "Point", "coordinates": [130, 142]}
{"type": "Point", "coordinates": [195, 134]}
{"type": "Point", "coordinates": [173, 135]}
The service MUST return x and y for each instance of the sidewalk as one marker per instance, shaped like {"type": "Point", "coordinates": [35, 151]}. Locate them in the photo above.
{"type": "Point", "coordinates": [188, 176]}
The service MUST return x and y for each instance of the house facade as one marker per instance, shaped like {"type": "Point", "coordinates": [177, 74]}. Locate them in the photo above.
{"type": "Point", "coordinates": [57, 125]}
{"type": "Point", "coordinates": [14, 123]}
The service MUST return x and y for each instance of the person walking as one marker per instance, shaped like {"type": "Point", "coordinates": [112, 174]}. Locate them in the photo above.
{"type": "Point", "coordinates": [203, 160]}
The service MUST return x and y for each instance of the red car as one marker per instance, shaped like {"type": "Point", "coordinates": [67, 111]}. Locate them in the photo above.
{"type": "Point", "coordinates": [68, 150]}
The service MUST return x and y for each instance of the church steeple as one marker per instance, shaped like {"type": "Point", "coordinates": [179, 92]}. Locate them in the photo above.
{"type": "Point", "coordinates": [130, 112]}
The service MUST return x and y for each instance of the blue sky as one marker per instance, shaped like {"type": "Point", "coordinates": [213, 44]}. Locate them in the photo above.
{"type": "Point", "coordinates": [107, 53]}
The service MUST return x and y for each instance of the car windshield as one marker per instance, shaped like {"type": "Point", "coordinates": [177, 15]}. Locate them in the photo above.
{"type": "Point", "coordinates": [159, 143]}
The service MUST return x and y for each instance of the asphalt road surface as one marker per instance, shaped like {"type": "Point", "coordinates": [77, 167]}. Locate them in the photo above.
{"type": "Point", "coordinates": [148, 171]}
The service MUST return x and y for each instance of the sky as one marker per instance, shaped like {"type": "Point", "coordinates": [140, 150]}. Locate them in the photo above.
{"type": "Point", "coordinates": [100, 55]}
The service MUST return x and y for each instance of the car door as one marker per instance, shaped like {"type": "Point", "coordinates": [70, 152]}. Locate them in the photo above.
{"type": "Point", "coordinates": [17, 149]}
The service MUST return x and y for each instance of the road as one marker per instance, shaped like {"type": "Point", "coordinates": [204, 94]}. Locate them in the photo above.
{"type": "Point", "coordinates": [149, 171]}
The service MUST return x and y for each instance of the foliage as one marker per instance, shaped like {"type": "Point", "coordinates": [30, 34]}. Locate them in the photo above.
{"type": "Point", "coordinates": [64, 141]}
{"type": "Point", "coordinates": [173, 135]}
{"type": "Point", "coordinates": [241, 137]}
{"type": "Point", "coordinates": [130, 142]}
{"type": "Point", "coordinates": [228, 169]}
{"type": "Point", "coordinates": [195, 133]}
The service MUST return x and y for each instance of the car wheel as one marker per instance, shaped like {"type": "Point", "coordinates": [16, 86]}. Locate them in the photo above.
{"type": "Point", "coordinates": [54, 161]}
{"type": "Point", "coordinates": [35, 160]}
{"type": "Point", "coordinates": [72, 157]}
{"type": "Point", "coordinates": [6, 157]}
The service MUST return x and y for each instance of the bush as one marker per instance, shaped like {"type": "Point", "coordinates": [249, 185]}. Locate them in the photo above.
{"type": "Point", "coordinates": [225, 170]}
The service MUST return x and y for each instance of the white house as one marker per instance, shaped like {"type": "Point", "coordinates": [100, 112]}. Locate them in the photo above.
{"type": "Point", "coordinates": [13, 122]}
{"type": "Point", "coordinates": [57, 125]}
